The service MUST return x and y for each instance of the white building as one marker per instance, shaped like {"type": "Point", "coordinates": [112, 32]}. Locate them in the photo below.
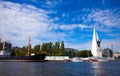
{"type": "Point", "coordinates": [56, 58]}
{"type": "Point", "coordinates": [96, 49]}
{"type": "Point", "coordinates": [4, 53]}
{"type": "Point", "coordinates": [4, 48]}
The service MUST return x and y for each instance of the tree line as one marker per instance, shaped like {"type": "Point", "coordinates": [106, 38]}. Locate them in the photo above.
{"type": "Point", "coordinates": [50, 49]}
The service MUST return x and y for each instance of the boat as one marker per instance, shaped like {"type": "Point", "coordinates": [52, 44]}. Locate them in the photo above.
{"type": "Point", "coordinates": [40, 57]}
{"type": "Point", "coordinates": [68, 60]}
{"type": "Point", "coordinates": [98, 60]}
{"type": "Point", "coordinates": [76, 60]}
{"type": "Point", "coordinates": [94, 60]}
{"type": "Point", "coordinates": [86, 59]}
{"type": "Point", "coordinates": [5, 56]}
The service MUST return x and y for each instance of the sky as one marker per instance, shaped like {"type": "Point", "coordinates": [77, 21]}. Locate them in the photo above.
{"type": "Point", "coordinates": [71, 21]}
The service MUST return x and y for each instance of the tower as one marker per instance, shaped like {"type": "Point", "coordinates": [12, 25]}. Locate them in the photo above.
{"type": "Point", "coordinates": [96, 48]}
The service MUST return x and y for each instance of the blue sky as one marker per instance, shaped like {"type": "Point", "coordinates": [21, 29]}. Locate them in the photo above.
{"type": "Point", "coordinates": [71, 21]}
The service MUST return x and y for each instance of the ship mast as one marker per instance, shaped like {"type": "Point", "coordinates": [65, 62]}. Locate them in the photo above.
{"type": "Point", "coordinates": [29, 47]}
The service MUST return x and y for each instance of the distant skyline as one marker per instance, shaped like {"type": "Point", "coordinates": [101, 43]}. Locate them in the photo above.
{"type": "Point", "coordinates": [71, 21]}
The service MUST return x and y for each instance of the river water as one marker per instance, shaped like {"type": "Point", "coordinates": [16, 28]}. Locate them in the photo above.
{"type": "Point", "coordinates": [60, 68]}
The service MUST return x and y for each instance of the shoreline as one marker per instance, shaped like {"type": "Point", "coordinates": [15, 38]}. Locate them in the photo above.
{"type": "Point", "coordinates": [23, 60]}
{"type": "Point", "coordinates": [51, 61]}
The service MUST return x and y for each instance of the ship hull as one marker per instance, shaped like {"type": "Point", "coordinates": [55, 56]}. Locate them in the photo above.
{"type": "Point", "coordinates": [40, 57]}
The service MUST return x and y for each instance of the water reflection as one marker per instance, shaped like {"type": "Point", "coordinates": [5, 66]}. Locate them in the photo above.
{"type": "Point", "coordinates": [45, 69]}
{"type": "Point", "coordinates": [15, 69]}
{"type": "Point", "coordinates": [59, 69]}
{"type": "Point", "coordinates": [98, 69]}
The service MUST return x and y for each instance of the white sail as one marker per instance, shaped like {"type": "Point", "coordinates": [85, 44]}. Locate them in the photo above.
{"type": "Point", "coordinates": [94, 44]}
{"type": "Point", "coordinates": [97, 37]}
{"type": "Point", "coordinates": [96, 50]}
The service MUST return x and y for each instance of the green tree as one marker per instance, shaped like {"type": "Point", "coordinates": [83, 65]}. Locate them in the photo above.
{"type": "Point", "coordinates": [36, 49]}
{"type": "Point", "coordinates": [17, 52]}
{"type": "Point", "coordinates": [70, 53]}
{"type": "Point", "coordinates": [53, 49]}
{"type": "Point", "coordinates": [24, 48]}
{"type": "Point", "coordinates": [50, 48]}
{"type": "Point", "coordinates": [43, 48]}
{"type": "Point", "coordinates": [12, 52]}
{"type": "Point", "coordinates": [20, 53]}
{"type": "Point", "coordinates": [62, 48]}
{"type": "Point", "coordinates": [57, 48]}
{"type": "Point", "coordinates": [84, 53]}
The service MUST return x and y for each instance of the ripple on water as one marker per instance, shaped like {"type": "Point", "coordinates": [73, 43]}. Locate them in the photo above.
{"type": "Point", "coordinates": [59, 69]}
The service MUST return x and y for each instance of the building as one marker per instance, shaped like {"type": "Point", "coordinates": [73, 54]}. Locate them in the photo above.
{"type": "Point", "coordinates": [5, 48]}
{"type": "Point", "coordinates": [107, 53]}
{"type": "Point", "coordinates": [96, 48]}
{"type": "Point", "coordinates": [117, 54]}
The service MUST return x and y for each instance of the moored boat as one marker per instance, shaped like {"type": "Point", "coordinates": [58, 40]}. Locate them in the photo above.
{"type": "Point", "coordinates": [98, 60]}
{"type": "Point", "coordinates": [40, 57]}
{"type": "Point", "coordinates": [76, 60]}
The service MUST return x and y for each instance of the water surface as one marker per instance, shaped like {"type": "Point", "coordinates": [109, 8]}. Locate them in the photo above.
{"type": "Point", "coordinates": [60, 69]}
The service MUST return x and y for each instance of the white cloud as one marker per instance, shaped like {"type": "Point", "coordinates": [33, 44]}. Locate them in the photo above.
{"type": "Point", "coordinates": [56, 19]}
{"type": "Point", "coordinates": [80, 46]}
{"type": "Point", "coordinates": [52, 4]}
{"type": "Point", "coordinates": [18, 21]}
{"type": "Point", "coordinates": [108, 17]}
{"type": "Point", "coordinates": [111, 43]}
{"type": "Point", "coordinates": [106, 43]}
{"type": "Point", "coordinates": [113, 35]}
{"type": "Point", "coordinates": [73, 26]}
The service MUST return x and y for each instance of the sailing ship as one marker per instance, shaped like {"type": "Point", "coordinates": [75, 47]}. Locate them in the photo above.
{"type": "Point", "coordinates": [28, 58]}
{"type": "Point", "coordinates": [96, 48]}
